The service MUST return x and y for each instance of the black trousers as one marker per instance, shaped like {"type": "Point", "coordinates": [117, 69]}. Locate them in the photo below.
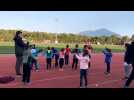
{"type": "Point", "coordinates": [19, 63]}
{"type": "Point", "coordinates": [108, 67]}
{"type": "Point", "coordinates": [26, 73]}
{"type": "Point", "coordinates": [89, 64]}
{"type": "Point", "coordinates": [61, 62]}
{"type": "Point", "coordinates": [56, 62]}
{"type": "Point", "coordinates": [66, 59]}
{"type": "Point", "coordinates": [49, 60]}
{"type": "Point", "coordinates": [75, 63]}
{"type": "Point", "coordinates": [34, 62]}
{"type": "Point", "coordinates": [83, 75]}
{"type": "Point", "coordinates": [131, 77]}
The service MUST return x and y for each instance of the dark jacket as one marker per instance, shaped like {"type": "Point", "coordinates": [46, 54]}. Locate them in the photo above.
{"type": "Point", "coordinates": [19, 46]}
{"type": "Point", "coordinates": [126, 56]}
{"type": "Point", "coordinates": [130, 54]}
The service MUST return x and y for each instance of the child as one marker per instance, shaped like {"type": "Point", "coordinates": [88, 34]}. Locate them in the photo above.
{"type": "Point", "coordinates": [61, 59]}
{"type": "Point", "coordinates": [108, 57]}
{"type": "Point", "coordinates": [127, 67]}
{"type": "Point", "coordinates": [35, 52]}
{"type": "Point", "coordinates": [26, 64]}
{"type": "Point", "coordinates": [48, 58]}
{"type": "Point", "coordinates": [84, 60]}
{"type": "Point", "coordinates": [75, 60]}
{"type": "Point", "coordinates": [55, 56]}
{"type": "Point", "coordinates": [88, 48]}
{"type": "Point", "coordinates": [67, 53]}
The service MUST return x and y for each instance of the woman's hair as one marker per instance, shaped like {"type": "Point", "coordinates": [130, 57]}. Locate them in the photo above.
{"type": "Point", "coordinates": [126, 45]}
{"type": "Point", "coordinates": [132, 42]}
{"type": "Point", "coordinates": [17, 34]}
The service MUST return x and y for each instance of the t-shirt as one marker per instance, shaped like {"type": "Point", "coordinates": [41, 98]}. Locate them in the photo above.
{"type": "Point", "coordinates": [61, 54]}
{"type": "Point", "coordinates": [49, 54]}
{"type": "Point", "coordinates": [33, 50]}
{"type": "Point", "coordinates": [108, 56]}
{"type": "Point", "coordinates": [76, 51]}
{"type": "Point", "coordinates": [83, 61]}
{"type": "Point", "coordinates": [67, 51]}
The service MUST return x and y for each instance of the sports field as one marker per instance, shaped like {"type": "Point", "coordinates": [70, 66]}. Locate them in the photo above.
{"type": "Point", "coordinates": [8, 47]}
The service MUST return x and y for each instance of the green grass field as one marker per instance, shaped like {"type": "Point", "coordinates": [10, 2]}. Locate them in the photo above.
{"type": "Point", "coordinates": [8, 47]}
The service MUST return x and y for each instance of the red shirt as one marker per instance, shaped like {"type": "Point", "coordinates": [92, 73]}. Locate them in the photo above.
{"type": "Point", "coordinates": [68, 50]}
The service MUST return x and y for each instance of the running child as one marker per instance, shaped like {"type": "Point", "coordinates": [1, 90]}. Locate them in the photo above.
{"type": "Point", "coordinates": [75, 59]}
{"type": "Point", "coordinates": [108, 58]}
{"type": "Point", "coordinates": [84, 60]}
{"type": "Point", "coordinates": [67, 53]}
{"type": "Point", "coordinates": [26, 64]}
{"type": "Point", "coordinates": [55, 56]}
{"type": "Point", "coordinates": [48, 55]}
{"type": "Point", "coordinates": [61, 59]}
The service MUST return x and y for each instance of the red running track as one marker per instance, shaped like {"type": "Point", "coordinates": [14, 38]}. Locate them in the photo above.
{"type": "Point", "coordinates": [68, 78]}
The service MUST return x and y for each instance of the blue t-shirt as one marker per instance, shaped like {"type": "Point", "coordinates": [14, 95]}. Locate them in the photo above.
{"type": "Point", "coordinates": [108, 56]}
{"type": "Point", "coordinates": [54, 52]}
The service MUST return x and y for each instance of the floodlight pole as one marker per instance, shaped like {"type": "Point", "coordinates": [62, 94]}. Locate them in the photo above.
{"type": "Point", "coordinates": [56, 40]}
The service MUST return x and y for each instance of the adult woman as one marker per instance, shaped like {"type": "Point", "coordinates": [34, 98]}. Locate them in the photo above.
{"type": "Point", "coordinates": [19, 47]}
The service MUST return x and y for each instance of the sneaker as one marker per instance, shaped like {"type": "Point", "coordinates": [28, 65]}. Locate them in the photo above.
{"type": "Point", "coordinates": [125, 86]}
{"type": "Point", "coordinates": [106, 73]}
{"type": "Point", "coordinates": [124, 78]}
{"type": "Point", "coordinates": [85, 86]}
{"type": "Point", "coordinates": [19, 74]}
{"type": "Point", "coordinates": [81, 87]}
{"type": "Point", "coordinates": [37, 70]}
{"type": "Point", "coordinates": [29, 83]}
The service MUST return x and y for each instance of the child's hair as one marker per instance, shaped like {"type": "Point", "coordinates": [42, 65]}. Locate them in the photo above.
{"type": "Point", "coordinates": [85, 53]}
{"type": "Point", "coordinates": [62, 49]}
{"type": "Point", "coordinates": [67, 46]}
{"type": "Point", "coordinates": [90, 47]}
{"type": "Point", "coordinates": [76, 45]}
{"type": "Point", "coordinates": [27, 45]}
{"type": "Point", "coordinates": [48, 48]}
{"type": "Point", "coordinates": [85, 46]}
{"type": "Point", "coordinates": [30, 46]}
{"type": "Point", "coordinates": [109, 50]}
{"type": "Point", "coordinates": [52, 48]}
{"type": "Point", "coordinates": [34, 46]}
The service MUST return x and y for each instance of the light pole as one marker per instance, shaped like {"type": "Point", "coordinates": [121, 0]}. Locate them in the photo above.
{"type": "Point", "coordinates": [56, 40]}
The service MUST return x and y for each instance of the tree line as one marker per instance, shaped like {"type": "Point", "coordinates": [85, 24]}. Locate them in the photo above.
{"type": "Point", "coordinates": [7, 35]}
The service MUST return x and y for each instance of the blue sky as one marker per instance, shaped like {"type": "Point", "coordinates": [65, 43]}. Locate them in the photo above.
{"type": "Point", "coordinates": [121, 22]}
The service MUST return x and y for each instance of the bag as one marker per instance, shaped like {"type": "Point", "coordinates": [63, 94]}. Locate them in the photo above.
{"type": "Point", "coordinates": [6, 79]}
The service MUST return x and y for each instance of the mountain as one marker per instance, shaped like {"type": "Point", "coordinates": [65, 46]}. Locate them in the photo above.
{"type": "Point", "coordinates": [99, 32]}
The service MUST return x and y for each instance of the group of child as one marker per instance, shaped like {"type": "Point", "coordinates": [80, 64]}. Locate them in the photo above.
{"type": "Point", "coordinates": [58, 59]}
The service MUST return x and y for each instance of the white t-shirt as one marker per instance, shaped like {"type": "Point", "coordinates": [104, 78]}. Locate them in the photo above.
{"type": "Point", "coordinates": [61, 55]}
{"type": "Point", "coordinates": [83, 61]}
